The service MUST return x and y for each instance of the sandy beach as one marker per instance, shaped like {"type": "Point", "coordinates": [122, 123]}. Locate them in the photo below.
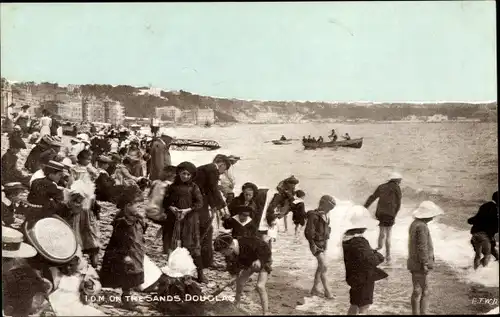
{"type": "Point", "coordinates": [292, 275]}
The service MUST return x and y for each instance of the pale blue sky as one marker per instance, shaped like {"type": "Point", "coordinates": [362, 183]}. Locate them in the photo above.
{"type": "Point", "coordinates": [346, 51]}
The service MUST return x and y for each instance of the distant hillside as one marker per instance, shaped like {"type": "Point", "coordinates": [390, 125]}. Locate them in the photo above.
{"type": "Point", "coordinates": [140, 104]}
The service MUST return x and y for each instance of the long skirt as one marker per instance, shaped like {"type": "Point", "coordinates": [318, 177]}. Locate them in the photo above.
{"type": "Point", "coordinates": [89, 230]}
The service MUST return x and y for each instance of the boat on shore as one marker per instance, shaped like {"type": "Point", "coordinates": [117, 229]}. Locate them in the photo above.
{"type": "Point", "coordinates": [185, 144]}
{"type": "Point", "coordinates": [353, 143]}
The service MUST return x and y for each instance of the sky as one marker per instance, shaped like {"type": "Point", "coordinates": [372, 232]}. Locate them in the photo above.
{"type": "Point", "coordinates": [317, 51]}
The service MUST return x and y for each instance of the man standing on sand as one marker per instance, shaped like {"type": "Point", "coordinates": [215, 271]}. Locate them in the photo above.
{"type": "Point", "coordinates": [421, 255]}
{"type": "Point", "coordinates": [389, 203]}
{"type": "Point", "coordinates": [160, 155]}
{"type": "Point", "coordinates": [207, 179]}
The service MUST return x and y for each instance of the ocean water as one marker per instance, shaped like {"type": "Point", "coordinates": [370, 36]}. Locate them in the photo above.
{"type": "Point", "coordinates": [453, 164]}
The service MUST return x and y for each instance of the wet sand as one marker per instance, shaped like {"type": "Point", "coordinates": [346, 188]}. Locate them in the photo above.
{"type": "Point", "coordinates": [291, 279]}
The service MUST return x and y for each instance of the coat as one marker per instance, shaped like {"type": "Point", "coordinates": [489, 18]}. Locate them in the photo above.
{"type": "Point", "coordinates": [389, 200]}
{"type": "Point", "coordinates": [486, 220]}
{"type": "Point", "coordinates": [127, 239]}
{"type": "Point", "coordinates": [239, 229]}
{"type": "Point", "coordinates": [361, 262]}
{"type": "Point", "coordinates": [317, 229]}
{"type": "Point", "coordinates": [207, 179]}
{"type": "Point", "coordinates": [10, 172]}
{"type": "Point", "coordinates": [420, 249]}
{"type": "Point", "coordinates": [47, 194]}
{"type": "Point", "coordinates": [182, 196]}
{"type": "Point", "coordinates": [104, 186]}
{"type": "Point", "coordinates": [160, 157]}
{"type": "Point", "coordinates": [252, 249]}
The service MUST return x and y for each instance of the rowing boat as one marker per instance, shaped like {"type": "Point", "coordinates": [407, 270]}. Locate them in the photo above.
{"type": "Point", "coordinates": [353, 143]}
{"type": "Point", "coordinates": [280, 142]}
{"type": "Point", "coordinates": [183, 144]}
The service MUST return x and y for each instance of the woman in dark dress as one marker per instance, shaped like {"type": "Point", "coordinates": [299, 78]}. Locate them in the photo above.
{"type": "Point", "coordinates": [181, 203]}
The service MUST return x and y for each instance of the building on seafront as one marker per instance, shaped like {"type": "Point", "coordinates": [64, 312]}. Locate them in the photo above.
{"type": "Point", "coordinates": [114, 112]}
{"type": "Point", "coordinates": [93, 110]}
{"type": "Point", "coordinates": [169, 113]}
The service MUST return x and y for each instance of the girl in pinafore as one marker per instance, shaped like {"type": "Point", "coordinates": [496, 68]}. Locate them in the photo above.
{"type": "Point", "coordinates": [89, 229]}
{"type": "Point", "coordinates": [181, 203]}
{"type": "Point", "coordinates": [123, 261]}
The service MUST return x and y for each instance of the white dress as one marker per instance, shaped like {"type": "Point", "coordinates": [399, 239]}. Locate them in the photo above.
{"type": "Point", "coordinates": [45, 123]}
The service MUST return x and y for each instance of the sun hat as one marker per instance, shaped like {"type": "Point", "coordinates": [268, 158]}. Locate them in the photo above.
{"type": "Point", "coordinates": [233, 159]}
{"type": "Point", "coordinates": [13, 186]}
{"type": "Point", "coordinates": [359, 218]}
{"type": "Point", "coordinates": [53, 141]}
{"type": "Point", "coordinates": [180, 263]}
{"type": "Point", "coordinates": [53, 238]}
{"type": "Point", "coordinates": [83, 137]}
{"type": "Point", "coordinates": [427, 209]}
{"type": "Point", "coordinates": [222, 241]}
{"type": "Point", "coordinates": [395, 175]}
{"type": "Point", "coordinates": [25, 106]}
{"type": "Point", "coordinates": [222, 158]}
{"type": "Point", "coordinates": [13, 245]}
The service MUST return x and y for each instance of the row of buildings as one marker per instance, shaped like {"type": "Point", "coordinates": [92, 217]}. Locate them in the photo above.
{"type": "Point", "coordinates": [70, 105]}
{"type": "Point", "coordinates": [176, 115]}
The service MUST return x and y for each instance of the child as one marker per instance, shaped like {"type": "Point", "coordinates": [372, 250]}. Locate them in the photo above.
{"type": "Point", "coordinates": [421, 254]}
{"type": "Point", "coordinates": [123, 261]}
{"type": "Point", "coordinates": [317, 232]}
{"type": "Point", "coordinates": [252, 254]}
{"type": "Point", "coordinates": [360, 261]}
{"type": "Point", "coordinates": [84, 172]}
{"type": "Point", "coordinates": [484, 227]}
{"type": "Point", "coordinates": [241, 224]}
{"type": "Point", "coordinates": [182, 200]}
{"type": "Point", "coordinates": [154, 210]}
{"type": "Point", "coordinates": [298, 210]}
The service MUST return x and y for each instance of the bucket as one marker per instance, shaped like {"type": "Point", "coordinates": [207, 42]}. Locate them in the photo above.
{"type": "Point", "coordinates": [152, 273]}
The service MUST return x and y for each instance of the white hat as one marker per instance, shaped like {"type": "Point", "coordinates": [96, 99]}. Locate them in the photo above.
{"type": "Point", "coordinates": [359, 217]}
{"type": "Point", "coordinates": [395, 175]}
{"type": "Point", "coordinates": [427, 209]}
{"type": "Point", "coordinates": [13, 245]}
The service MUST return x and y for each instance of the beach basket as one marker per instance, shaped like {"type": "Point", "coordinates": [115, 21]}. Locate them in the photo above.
{"type": "Point", "coordinates": [53, 238]}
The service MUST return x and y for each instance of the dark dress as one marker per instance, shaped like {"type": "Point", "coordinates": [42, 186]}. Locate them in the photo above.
{"type": "Point", "coordinates": [32, 163]}
{"type": "Point", "coordinates": [127, 240]}
{"type": "Point", "coordinates": [361, 270]}
{"type": "Point", "coordinates": [182, 196]}
{"type": "Point", "coordinates": [246, 229]}
{"type": "Point", "coordinates": [486, 220]}
{"type": "Point", "coordinates": [104, 186]}
{"type": "Point", "coordinates": [207, 179]}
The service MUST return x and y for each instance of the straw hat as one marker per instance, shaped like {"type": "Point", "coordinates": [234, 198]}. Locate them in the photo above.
{"type": "Point", "coordinates": [83, 137]}
{"type": "Point", "coordinates": [291, 180]}
{"type": "Point", "coordinates": [13, 245]}
{"type": "Point", "coordinates": [427, 209]}
{"type": "Point", "coordinates": [360, 217]}
{"type": "Point", "coordinates": [13, 186]}
{"type": "Point", "coordinates": [55, 166]}
{"type": "Point", "coordinates": [104, 159]}
{"type": "Point", "coordinates": [395, 175]}
{"type": "Point", "coordinates": [25, 107]}
{"type": "Point", "coordinates": [53, 238]}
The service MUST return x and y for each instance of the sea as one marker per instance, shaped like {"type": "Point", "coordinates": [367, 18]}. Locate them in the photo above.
{"type": "Point", "coordinates": [453, 164]}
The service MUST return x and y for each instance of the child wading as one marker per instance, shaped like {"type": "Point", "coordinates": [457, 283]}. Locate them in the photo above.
{"type": "Point", "coordinates": [123, 261]}
{"type": "Point", "coordinates": [360, 261]}
{"type": "Point", "coordinates": [252, 255]}
{"type": "Point", "coordinates": [298, 210]}
{"type": "Point", "coordinates": [484, 227]}
{"type": "Point", "coordinates": [421, 254]}
{"type": "Point", "coordinates": [317, 232]}
{"type": "Point", "coordinates": [182, 201]}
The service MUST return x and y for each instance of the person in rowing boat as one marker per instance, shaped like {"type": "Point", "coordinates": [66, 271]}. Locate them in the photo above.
{"type": "Point", "coordinates": [347, 136]}
{"type": "Point", "coordinates": [333, 136]}
{"type": "Point", "coordinates": [283, 138]}
{"type": "Point", "coordinates": [320, 139]}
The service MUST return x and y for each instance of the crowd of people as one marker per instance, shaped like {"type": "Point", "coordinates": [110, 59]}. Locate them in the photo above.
{"type": "Point", "coordinates": [69, 182]}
